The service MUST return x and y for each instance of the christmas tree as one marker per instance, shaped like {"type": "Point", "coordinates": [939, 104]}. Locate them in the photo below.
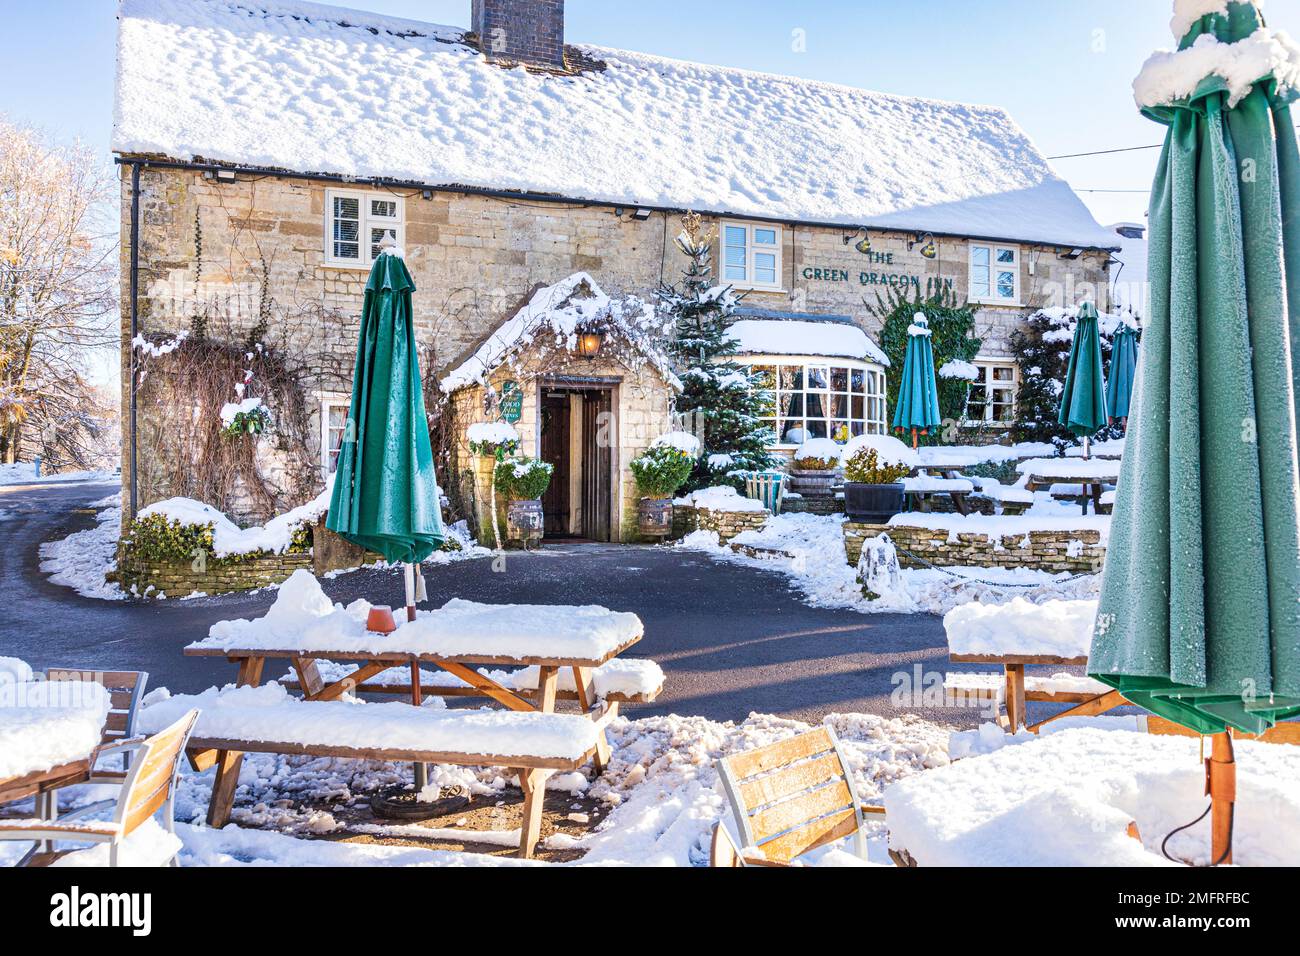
{"type": "Point", "coordinates": [720, 400]}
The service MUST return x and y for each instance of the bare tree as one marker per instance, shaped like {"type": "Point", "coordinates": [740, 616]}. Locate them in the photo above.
{"type": "Point", "coordinates": [58, 279]}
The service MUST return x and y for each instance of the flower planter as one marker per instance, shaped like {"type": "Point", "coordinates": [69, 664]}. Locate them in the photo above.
{"type": "Point", "coordinates": [812, 484]}
{"type": "Point", "coordinates": [654, 517]}
{"type": "Point", "coordinates": [525, 520]}
{"type": "Point", "coordinates": [872, 504]}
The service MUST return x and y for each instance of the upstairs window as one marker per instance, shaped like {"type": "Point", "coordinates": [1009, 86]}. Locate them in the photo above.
{"type": "Point", "coordinates": [356, 223]}
{"type": "Point", "coordinates": [751, 255]}
{"type": "Point", "coordinates": [995, 274]}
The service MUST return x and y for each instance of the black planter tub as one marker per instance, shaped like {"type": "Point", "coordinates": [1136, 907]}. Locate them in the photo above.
{"type": "Point", "coordinates": [872, 504]}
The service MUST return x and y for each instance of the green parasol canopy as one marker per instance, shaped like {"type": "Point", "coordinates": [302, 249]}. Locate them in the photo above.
{"type": "Point", "coordinates": [385, 492]}
{"type": "Point", "coordinates": [1083, 400]}
{"type": "Point", "coordinates": [1199, 620]}
{"type": "Point", "coordinates": [1123, 366]}
{"type": "Point", "coordinates": [918, 396]}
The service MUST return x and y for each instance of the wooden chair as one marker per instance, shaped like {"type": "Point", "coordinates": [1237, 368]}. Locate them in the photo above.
{"type": "Point", "coordinates": [148, 785]}
{"type": "Point", "coordinates": [125, 689]}
{"type": "Point", "coordinates": [788, 798]}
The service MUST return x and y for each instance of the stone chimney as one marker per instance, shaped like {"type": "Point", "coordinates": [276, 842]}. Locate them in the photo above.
{"type": "Point", "coordinates": [521, 31]}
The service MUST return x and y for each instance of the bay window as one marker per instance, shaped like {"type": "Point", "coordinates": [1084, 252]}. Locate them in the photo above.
{"type": "Point", "coordinates": [809, 399]}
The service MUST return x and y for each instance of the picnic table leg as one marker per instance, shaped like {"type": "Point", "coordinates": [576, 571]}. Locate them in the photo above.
{"type": "Point", "coordinates": [1015, 696]}
{"type": "Point", "coordinates": [587, 701]}
{"type": "Point", "coordinates": [533, 784]}
{"type": "Point", "coordinates": [229, 761]}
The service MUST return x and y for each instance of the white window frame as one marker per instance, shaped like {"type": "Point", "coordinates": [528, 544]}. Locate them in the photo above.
{"type": "Point", "coordinates": [752, 251]}
{"type": "Point", "coordinates": [368, 220]}
{"type": "Point", "coordinates": [873, 389]}
{"type": "Point", "coordinates": [993, 249]}
{"type": "Point", "coordinates": [986, 364]}
{"type": "Point", "coordinates": [327, 404]}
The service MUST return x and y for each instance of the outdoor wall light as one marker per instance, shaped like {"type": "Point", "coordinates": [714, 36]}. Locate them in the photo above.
{"type": "Point", "coordinates": [641, 215]}
{"type": "Point", "coordinates": [223, 175]}
{"type": "Point", "coordinates": [589, 344]}
{"type": "Point", "coordinates": [929, 248]}
{"type": "Point", "coordinates": [863, 245]}
{"type": "Point", "coordinates": [1072, 254]}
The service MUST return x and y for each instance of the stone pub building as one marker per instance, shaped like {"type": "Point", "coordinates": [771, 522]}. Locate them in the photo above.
{"type": "Point", "coordinates": [267, 146]}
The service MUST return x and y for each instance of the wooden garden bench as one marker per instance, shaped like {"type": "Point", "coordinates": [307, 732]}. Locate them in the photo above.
{"type": "Point", "coordinates": [788, 798]}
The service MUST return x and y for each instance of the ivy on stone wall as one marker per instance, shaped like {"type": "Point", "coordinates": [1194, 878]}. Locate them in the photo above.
{"type": "Point", "coordinates": [952, 337]}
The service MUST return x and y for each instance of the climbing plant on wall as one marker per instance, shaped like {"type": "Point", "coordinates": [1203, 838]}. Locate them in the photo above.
{"type": "Point", "coordinates": [952, 337]}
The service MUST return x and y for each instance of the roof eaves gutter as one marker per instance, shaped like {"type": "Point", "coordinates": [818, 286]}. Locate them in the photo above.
{"type": "Point", "coordinates": [515, 195]}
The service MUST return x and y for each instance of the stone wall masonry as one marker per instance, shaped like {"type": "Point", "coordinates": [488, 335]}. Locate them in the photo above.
{"type": "Point", "coordinates": [176, 579]}
{"type": "Point", "coordinates": [474, 258]}
{"type": "Point", "coordinates": [1076, 552]}
{"type": "Point", "coordinates": [727, 524]}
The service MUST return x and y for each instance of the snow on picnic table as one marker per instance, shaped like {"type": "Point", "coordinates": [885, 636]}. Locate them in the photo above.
{"type": "Point", "coordinates": [1067, 798]}
{"type": "Point", "coordinates": [269, 713]}
{"type": "Point", "coordinates": [304, 619]}
{"type": "Point", "coordinates": [47, 723]}
{"type": "Point", "coordinates": [1105, 469]}
{"type": "Point", "coordinates": [963, 456]}
{"type": "Point", "coordinates": [1053, 628]}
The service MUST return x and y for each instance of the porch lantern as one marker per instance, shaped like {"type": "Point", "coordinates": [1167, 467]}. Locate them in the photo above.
{"type": "Point", "coordinates": [589, 344]}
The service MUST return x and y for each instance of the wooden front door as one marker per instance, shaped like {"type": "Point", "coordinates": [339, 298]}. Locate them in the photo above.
{"type": "Point", "coordinates": [555, 449]}
{"type": "Point", "coordinates": [597, 437]}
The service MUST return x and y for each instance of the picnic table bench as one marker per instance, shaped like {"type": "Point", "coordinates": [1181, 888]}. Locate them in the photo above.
{"type": "Point", "coordinates": [531, 738]}
{"type": "Point", "coordinates": [922, 485]}
{"type": "Point", "coordinates": [1020, 688]}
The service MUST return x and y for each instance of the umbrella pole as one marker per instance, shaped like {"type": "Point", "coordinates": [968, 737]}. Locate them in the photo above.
{"type": "Point", "coordinates": [421, 770]}
{"type": "Point", "coordinates": [915, 442]}
{"type": "Point", "coordinates": [1221, 781]}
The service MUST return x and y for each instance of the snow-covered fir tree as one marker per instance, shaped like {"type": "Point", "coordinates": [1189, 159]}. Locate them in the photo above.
{"type": "Point", "coordinates": [720, 399]}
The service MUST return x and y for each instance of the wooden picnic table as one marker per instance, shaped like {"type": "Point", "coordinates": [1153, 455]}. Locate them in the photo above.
{"type": "Point", "coordinates": [1059, 471]}
{"type": "Point", "coordinates": [1085, 705]}
{"type": "Point", "coordinates": [251, 662]}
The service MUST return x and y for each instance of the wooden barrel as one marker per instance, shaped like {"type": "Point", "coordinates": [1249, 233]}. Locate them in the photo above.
{"type": "Point", "coordinates": [812, 484]}
{"type": "Point", "coordinates": [654, 517]}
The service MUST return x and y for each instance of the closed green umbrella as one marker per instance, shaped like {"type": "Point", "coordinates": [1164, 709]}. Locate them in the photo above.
{"type": "Point", "coordinates": [917, 407]}
{"type": "Point", "coordinates": [1199, 620]}
{"type": "Point", "coordinates": [1123, 366]}
{"type": "Point", "coordinates": [385, 491]}
{"type": "Point", "coordinates": [1083, 399]}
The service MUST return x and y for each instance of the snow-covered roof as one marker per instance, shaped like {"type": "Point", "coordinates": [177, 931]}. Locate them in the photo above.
{"type": "Point", "coordinates": [833, 339]}
{"type": "Point", "coordinates": [553, 317]}
{"type": "Point", "coordinates": [299, 86]}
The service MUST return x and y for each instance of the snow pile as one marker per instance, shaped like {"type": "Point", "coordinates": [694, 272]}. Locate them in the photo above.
{"type": "Point", "coordinates": [268, 713]}
{"type": "Point", "coordinates": [14, 670]}
{"type": "Point", "coordinates": [1003, 527]}
{"type": "Point", "coordinates": [719, 498]}
{"type": "Point", "coordinates": [148, 845]}
{"type": "Point", "coordinates": [1004, 494]}
{"type": "Point", "coordinates": [889, 450]}
{"type": "Point", "coordinates": [920, 326]}
{"type": "Point", "coordinates": [492, 433]}
{"type": "Point", "coordinates": [1053, 628]}
{"type": "Point", "coordinates": [956, 368]}
{"type": "Point", "coordinates": [795, 337]}
{"type": "Point", "coordinates": [24, 473]}
{"type": "Point", "coordinates": [1067, 798]}
{"type": "Point", "coordinates": [303, 618]}
{"type": "Point", "coordinates": [47, 723]}
{"type": "Point", "coordinates": [963, 456]}
{"type": "Point", "coordinates": [1111, 448]}
{"type": "Point", "coordinates": [231, 410]}
{"type": "Point", "coordinates": [230, 540]}
{"type": "Point", "coordinates": [83, 559]}
{"type": "Point", "coordinates": [821, 448]}
{"type": "Point", "coordinates": [1172, 76]}
{"type": "Point", "coordinates": [684, 442]}
{"type": "Point", "coordinates": [274, 83]}
{"type": "Point", "coordinates": [554, 317]}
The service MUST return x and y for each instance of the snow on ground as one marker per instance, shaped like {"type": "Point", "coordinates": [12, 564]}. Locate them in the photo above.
{"type": "Point", "coordinates": [1067, 798]}
{"type": "Point", "coordinates": [82, 559]}
{"type": "Point", "coordinates": [809, 551]}
{"type": "Point", "coordinates": [660, 790]}
{"type": "Point", "coordinates": [24, 473]}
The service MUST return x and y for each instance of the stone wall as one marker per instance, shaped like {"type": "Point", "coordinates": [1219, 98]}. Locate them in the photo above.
{"type": "Point", "coordinates": [727, 524]}
{"type": "Point", "coordinates": [236, 250]}
{"type": "Point", "coordinates": [1078, 552]}
{"type": "Point", "coordinates": [813, 505]}
{"type": "Point", "coordinates": [176, 579]}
